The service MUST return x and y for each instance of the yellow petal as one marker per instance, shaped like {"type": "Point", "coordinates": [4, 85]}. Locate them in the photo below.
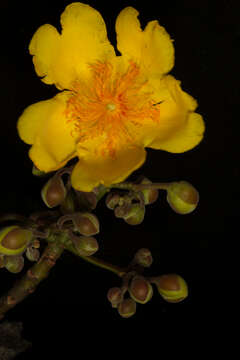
{"type": "Point", "coordinates": [63, 58]}
{"type": "Point", "coordinates": [45, 126]}
{"type": "Point", "coordinates": [91, 171]}
{"type": "Point", "coordinates": [180, 128]}
{"type": "Point", "coordinates": [152, 48]}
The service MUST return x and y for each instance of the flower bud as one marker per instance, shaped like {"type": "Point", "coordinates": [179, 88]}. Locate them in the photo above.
{"type": "Point", "coordinates": [135, 214]}
{"type": "Point", "coordinates": [122, 210]}
{"type": "Point", "coordinates": [86, 223]}
{"type": "Point", "coordinates": [143, 257]}
{"type": "Point", "coordinates": [32, 254]}
{"type": "Point", "coordinates": [14, 240]}
{"type": "Point", "coordinates": [86, 246]}
{"type": "Point", "coordinates": [114, 295]}
{"type": "Point", "coordinates": [182, 197]}
{"type": "Point", "coordinates": [140, 289]}
{"type": "Point", "coordinates": [150, 195]}
{"type": "Point", "coordinates": [172, 287]}
{"type": "Point", "coordinates": [127, 308]}
{"type": "Point", "coordinates": [53, 192]}
{"type": "Point", "coordinates": [14, 264]}
{"type": "Point", "coordinates": [112, 200]}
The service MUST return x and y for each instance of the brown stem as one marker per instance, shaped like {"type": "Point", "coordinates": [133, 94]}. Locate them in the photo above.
{"type": "Point", "coordinates": [28, 283]}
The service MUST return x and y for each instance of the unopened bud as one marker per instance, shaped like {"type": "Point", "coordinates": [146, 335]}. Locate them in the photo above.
{"type": "Point", "coordinates": [53, 192]}
{"type": "Point", "coordinates": [85, 245]}
{"type": "Point", "coordinates": [172, 287]}
{"type": "Point", "coordinates": [112, 200]}
{"type": "Point", "coordinates": [135, 214]}
{"type": "Point", "coordinates": [14, 240]}
{"type": "Point", "coordinates": [32, 254]}
{"type": "Point", "coordinates": [182, 197]}
{"type": "Point", "coordinates": [122, 210]}
{"type": "Point", "coordinates": [127, 308]}
{"type": "Point", "coordinates": [143, 257]}
{"type": "Point", "coordinates": [150, 195]}
{"type": "Point", "coordinates": [114, 295]}
{"type": "Point", "coordinates": [86, 223]}
{"type": "Point", "coordinates": [14, 264]}
{"type": "Point", "coordinates": [140, 289]}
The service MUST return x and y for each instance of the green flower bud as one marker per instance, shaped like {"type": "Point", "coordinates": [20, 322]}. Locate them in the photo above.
{"type": "Point", "coordinates": [32, 254]}
{"type": "Point", "coordinates": [53, 192]}
{"type": "Point", "coordinates": [143, 257]}
{"type": "Point", "coordinates": [112, 200]}
{"type": "Point", "coordinates": [150, 195]}
{"type": "Point", "coordinates": [14, 264]}
{"type": "Point", "coordinates": [85, 245]}
{"type": "Point", "coordinates": [172, 287]}
{"type": "Point", "coordinates": [140, 289]}
{"type": "Point", "coordinates": [135, 214]}
{"type": "Point", "coordinates": [86, 223]}
{"type": "Point", "coordinates": [114, 295]}
{"type": "Point", "coordinates": [182, 197]}
{"type": "Point", "coordinates": [14, 240]}
{"type": "Point", "coordinates": [127, 308]}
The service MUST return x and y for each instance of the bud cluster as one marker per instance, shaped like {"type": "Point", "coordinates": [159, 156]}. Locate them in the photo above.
{"type": "Point", "coordinates": [14, 242]}
{"type": "Point", "coordinates": [171, 287]}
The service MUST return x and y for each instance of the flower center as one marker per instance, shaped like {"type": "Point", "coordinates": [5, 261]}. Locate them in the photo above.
{"type": "Point", "coordinates": [109, 110]}
{"type": "Point", "coordinates": [111, 107]}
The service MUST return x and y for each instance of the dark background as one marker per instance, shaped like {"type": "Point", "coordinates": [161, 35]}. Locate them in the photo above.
{"type": "Point", "coordinates": [206, 38]}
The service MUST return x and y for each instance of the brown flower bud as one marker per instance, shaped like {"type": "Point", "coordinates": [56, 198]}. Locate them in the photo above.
{"type": "Point", "coordinates": [182, 197]}
{"type": "Point", "coordinates": [143, 257]}
{"type": "Point", "coordinates": [68, 204]}
{"type": "Point", "coordinates": [150, 195]}
{"type": "Point", "coordinates": [127, 308]}
{"type": "Point", "coordinates": [85, 245]}
{"type": "Point", "coordinates": [53, 192]}
{"type": "Point", "coordinates": [14, 264]}
{"type": "Point", "coordinates": [114, 295]}
{"type": "Point", "coordinates": [140, 289]}
{"type": "Point", "coordinates": [86, 223]}
{"type": "Point", "coordinates": [172, 287]}
{"type": "Point", "coordinates": [135, 215]}
{"type": "Point", "coordinates": [14, 240]}
{"type": "Point", "coordinates": [112, 200]}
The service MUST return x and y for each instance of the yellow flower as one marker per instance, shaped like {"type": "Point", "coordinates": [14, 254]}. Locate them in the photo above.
{"type": "Point", "coordinates": [110, 107]}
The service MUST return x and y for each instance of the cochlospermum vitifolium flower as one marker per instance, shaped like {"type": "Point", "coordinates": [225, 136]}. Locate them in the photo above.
{"type": "Point", "coordinates": [111, 107]}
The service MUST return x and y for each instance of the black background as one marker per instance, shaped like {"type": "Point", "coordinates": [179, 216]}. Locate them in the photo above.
{"type": "Point", "coordinates": [206, 39]}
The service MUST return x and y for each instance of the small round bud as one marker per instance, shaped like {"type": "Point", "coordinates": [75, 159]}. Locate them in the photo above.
{"type": "Point", "coordinates": [182, 197]}
{"type": "Point", "coordinates": [14, 240]}
{"type": "Point", "coordinates": [112, 200]}
{"type": "Point", "coordinates": [150, 195]}
{"type": "Point", "coordinates": [86, 223]}
{"type": "Point", "coordinates": [127, 308]}
{"type": "Point", "coordinates": [32, 254]}
{"type": "Point", "coordinates": [122, 210]}
{"type": "Point", "coordinates": [140, 289]}
{"type": "Point", "coordinates": [14, 264]}
{"type": "Point", "coordinates": [86, 245]}
{"type": "Point", "coordinates": [172, 287]}
{"type": "Point", "coordinates": [143, 257]}
{"type": "Point", "coordinates": [114, 295]}
{"type": "Point", "coordinates": [53, 192]}
{"type": "Point", "coordinates": [135, 214]}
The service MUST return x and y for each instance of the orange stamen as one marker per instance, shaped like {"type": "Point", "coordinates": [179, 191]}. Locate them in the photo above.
{"type": "Point", "coordinates": [108, 106]}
